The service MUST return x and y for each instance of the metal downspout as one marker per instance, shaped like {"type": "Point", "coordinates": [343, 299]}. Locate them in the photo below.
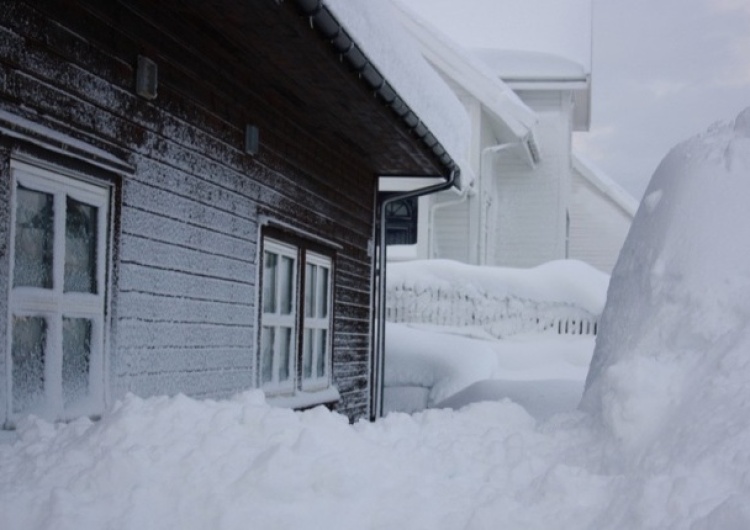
{"type": "Point", "coordinates": [379, 368]}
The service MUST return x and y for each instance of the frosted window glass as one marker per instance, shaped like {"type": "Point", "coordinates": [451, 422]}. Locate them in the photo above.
{"type": "Point", "coordinates": [27, 353]}
{"type": "Point", "coordinates": [286, 294]}
{"type": "Point", "coordinates": [322, 350]}
{"type": "Point", "coordinates": [266, 354]}
{"type": "Point", "coordinates": [285, 342]}
{"type": "Point", "coordinates": [310, 288]}
{"type": "Point", "coordinates": [307, 354]}
{"type": "Point", "coordinates": [322, 310]}
{"type": "Point", "coordinates": [76, 358]}
{"type": "Point", "coordinates": [34, 239]}
{"type": "Point", "coordinates": [269, 283]}
{"type": "Point", "coordinates": [80, 247]}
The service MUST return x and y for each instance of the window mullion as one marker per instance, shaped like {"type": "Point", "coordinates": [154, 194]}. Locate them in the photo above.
{"type": "Point", "coordinates": [53, 355]}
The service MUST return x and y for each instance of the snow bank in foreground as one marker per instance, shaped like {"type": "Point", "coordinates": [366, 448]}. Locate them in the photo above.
{"type": "Point", "coordinates": [670, 377]}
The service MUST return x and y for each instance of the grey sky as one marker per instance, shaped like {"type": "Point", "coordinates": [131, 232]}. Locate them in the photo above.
{"type": "Point", "coordinates": [663, 70]}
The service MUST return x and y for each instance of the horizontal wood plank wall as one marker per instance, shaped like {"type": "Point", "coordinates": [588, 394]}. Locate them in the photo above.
{"type": "Point", "coordinates": [4, 268]}
{"type": "Point", "coordinates": [183, 306]}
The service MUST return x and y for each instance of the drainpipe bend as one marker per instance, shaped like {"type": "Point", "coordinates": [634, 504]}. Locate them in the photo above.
{"type": "Point", "coordinates": [379, 364]}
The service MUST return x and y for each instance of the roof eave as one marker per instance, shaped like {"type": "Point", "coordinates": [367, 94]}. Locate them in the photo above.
{"type": "Point", "coordinates": [329, 28]}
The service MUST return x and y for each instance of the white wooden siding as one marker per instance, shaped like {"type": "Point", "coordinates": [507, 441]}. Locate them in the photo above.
{"type": "Point", "coordinates": [597, 226]}
{"type": "Point", "coordinates": [531, 203]}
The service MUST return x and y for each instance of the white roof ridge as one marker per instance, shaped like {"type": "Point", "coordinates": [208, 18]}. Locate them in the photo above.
{"type": "Point", "coordinates": [604, 183]}
{"type": "Point", "coordinates": [472, 74]}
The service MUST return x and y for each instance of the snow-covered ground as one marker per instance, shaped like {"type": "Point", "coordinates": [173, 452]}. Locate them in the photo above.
{"type": "Point", "coordinates": [437, 367]}
{"type": "Point", "coordinates": [662, 439]}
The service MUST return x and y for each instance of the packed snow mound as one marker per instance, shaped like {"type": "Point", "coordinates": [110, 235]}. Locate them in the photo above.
{"type": "Point", "coordinates": [441, 365]}
{"type": "Point", "coordinates": [670, 376]}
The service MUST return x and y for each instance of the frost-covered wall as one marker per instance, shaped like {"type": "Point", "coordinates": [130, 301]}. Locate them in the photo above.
{"type": "Point", "coordinates": [188, 200]}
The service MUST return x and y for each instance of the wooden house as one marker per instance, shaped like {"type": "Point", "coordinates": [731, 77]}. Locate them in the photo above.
{"type": "Point", "coordinates": [188, 199]}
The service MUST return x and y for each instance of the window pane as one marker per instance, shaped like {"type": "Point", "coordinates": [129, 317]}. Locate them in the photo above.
{"type": "Point", "coordinates": [266, 354]}
{"type": "Point", "coordinates": [269, 282]}
{"type": "Point", "coordinates": [80, 247]}
{"type": "Point", "coordinates": [286, 294]}
{"type": "Point", "coordinates": [322, 311]}
{"type": "Point", "coordinates": [309, 290]}
{"type": "Point", "coordinates": [76, 358]}
{"type": "Point", "coordinates": [34, 238]}
{"type": "Point", "coordinates": [27, 352]}
{"type": "Point", "coordinates": [285, 357]}
{"type": "Point", "coordinates": [307, 345]}
{"type": "Point", "coordinates": [322, 352]}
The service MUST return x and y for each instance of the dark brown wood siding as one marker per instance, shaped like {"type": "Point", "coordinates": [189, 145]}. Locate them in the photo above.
{"type": "Point", "coordinates": [183, 315]}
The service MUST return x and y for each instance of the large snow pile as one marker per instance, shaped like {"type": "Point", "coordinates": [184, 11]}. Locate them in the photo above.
{"type": "Point", "coordinates": [670, 377]}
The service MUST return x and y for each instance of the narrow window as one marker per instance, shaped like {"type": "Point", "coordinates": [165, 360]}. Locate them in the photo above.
{"type": "Point", "coordinates": [279, 317]}
{"type": "Point", "coordinates": [295, 328]}
{"type": "Point", "coordinates": [317, 322]}
{"type": "Point", "coordinates": [57, 298]}
{"type": "Point", "coordinates": [401, 222]}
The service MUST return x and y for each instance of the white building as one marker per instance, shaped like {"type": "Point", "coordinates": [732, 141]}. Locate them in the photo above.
{"type": "Point", "coordinates": [532, 200]}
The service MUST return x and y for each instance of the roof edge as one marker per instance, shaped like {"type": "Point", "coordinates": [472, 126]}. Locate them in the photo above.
{"type": "Point", "coordinates": [327, 25]}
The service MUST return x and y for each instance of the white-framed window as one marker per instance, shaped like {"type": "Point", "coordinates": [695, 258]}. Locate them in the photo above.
{"type": "Point", "coordinates": [57, 294]}
{"type": "Point", "coordinates": [279, 320]}
{"type": "Point", "coordinates": [296, 318]}
{"type": "Point", "coordinates": [316, 337]}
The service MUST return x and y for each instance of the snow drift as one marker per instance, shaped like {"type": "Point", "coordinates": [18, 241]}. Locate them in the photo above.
{"type": "Point", "coordinates": [670, 376]}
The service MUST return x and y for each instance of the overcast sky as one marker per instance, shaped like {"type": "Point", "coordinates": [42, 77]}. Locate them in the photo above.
{"type": "Point", "coordinates": [663, 70]}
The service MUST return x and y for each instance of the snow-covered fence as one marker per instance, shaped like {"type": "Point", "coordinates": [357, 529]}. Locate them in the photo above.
{"type": "Point", "coordinates": [499, 316]}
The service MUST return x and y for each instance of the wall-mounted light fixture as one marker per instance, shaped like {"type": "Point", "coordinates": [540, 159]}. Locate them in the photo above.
{"type": "Point", "coordinates": [147, 78]}
{"type": "Point", "coordinates": [252, 139]}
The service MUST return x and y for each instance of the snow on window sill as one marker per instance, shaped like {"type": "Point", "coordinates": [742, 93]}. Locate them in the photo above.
{"type": "Point", "coordinates": [303, 400]}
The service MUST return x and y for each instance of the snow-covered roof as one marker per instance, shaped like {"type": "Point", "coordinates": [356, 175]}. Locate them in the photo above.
{"type": "Point", "coordinates": [374, 26]}
{"type": "Point", "coordinates": [521, 65]}
{"type": "Point", "coordinates": [532, 70]}
{"type": "Point", "coordinates": [470, 74]}
{"type": "Point", "coordinates": [545, 26]}
{"type": "Point", "coordinates": [601, 181]}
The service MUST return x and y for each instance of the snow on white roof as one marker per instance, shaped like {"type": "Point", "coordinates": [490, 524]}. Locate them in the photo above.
{"type": "Point", "coordinates": [605, 184]}
{"type": "Point", "coordinates": [471, 74]}
{"type": "Point", "coordinates": [545, 26]}
{"type": "Point", "coordinates": [374, 25]}
{"type": "Point", "coordinates": [524, 65]}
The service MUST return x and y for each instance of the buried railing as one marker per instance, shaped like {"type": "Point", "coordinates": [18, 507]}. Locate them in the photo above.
{"type": "Point", "coordinates": [499, 316]}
